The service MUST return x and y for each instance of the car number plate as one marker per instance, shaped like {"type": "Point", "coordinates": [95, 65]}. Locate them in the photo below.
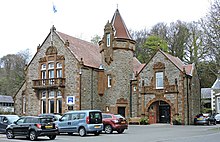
{"type": "Point", "coordinates": [199, 118]}
{"type": "Point", "coordinates": [97, 126]}
{"type": "Point", "coordinates": [123, 122]}
{"type": "Point", "coordinates": [48, 127]}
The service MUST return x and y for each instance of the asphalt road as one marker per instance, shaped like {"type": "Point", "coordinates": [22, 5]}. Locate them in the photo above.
{"type": "Point", "coordinates": [143, 133]}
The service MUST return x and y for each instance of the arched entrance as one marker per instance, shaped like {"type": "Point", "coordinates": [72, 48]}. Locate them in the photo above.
{"type": "Point", "coordinates": [159, 112]}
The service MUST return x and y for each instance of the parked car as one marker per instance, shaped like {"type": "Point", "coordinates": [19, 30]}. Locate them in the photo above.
{"type": "Point", "coordinates": [217, 117]}
{"type": "Point", "coordinates": [82, 122]}
{"type": "Point", "coordinates": [114, 122]}
{"type": "Point", "coordinates": [204, 119]}
{"type": "Point", "coordinates": [5, 120]}
{"type": "Point", "coordinates": [32, 127]}
{"type": "Point", "coordinates": [54, 116]}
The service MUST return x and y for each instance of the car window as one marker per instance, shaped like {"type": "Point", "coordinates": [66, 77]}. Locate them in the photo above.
{"type": "Point", "coordinates": [75, 116]}
{"type": "Point", "coordinates": [95, 117]}
{"type": "Point", "coordinates": [28, 120]}
{"type": "Point", "coordinates": [82, 115]}
{"type": "Point", "coordinates": [118, 116]}
{"type": "Point", "coordinates": [20, 121]}
{"type": "Point", "coordinates": [13, 118]}
{"type": "Point", "coordinates": [46, 120]}
{"type": "Point", "coordinates": [66, 117]}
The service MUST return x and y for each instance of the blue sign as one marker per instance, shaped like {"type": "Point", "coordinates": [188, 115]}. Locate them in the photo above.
{"type": "Point", "coordinates": [70, 100]}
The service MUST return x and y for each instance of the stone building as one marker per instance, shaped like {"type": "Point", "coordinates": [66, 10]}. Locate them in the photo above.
{"type": "Point", "coordinates": [67, 73]}
{"type": "Point", "coordinates": [215, 96]}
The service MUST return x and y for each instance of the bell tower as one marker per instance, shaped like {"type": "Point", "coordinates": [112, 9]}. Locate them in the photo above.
{"type": "Point", "coordinates": [117, 50]}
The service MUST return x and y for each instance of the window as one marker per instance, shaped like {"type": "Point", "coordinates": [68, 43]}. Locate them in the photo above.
{"type": "Point", "coordinates": [51, 76]}
{"type": "Point", "coordinates": [24, 105]}
{"type": "Point", "coordinates": [109, 81]}
{"type": "Point", "coordinates": [59, 65]}
{"type": "Point", "coordinates": [218, 101]}
{"type": "Point", "coordinates": [59, 95]}
{"type": "Point", "coordinates": [51, 94]}
{"type": "Point", "coordinates": [59, 73]}
{"type": "Point", "coordinates": [51, 106]}
{"type": "Point", "coordinates": [43, 95]}
{"type": "Point", "coordinates": [159, 80]}
{"type": "Point", "coordinates": [51, 65]}
{"type": "Point", "coordinates": [43, 110]}
{"type": "Point", "coordinates": [59, 106]}
{"type": "Point", "coordinates": [43, 67]}
{"type": "Point", "coordinates": [108, 39]}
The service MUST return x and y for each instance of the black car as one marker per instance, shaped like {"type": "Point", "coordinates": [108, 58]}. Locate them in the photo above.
{"type": "Point", "coordinates": [5, 120]}
{"type": "Point", "coordinates": [51, 115]}
{"type": "Point", "coordinates": [32, 127]}
{"type": "Point", "coordinates": [204, 119]}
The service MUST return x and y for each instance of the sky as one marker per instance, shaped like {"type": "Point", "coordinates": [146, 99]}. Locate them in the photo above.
{"type": "Point", "coordinates": [25, 24]}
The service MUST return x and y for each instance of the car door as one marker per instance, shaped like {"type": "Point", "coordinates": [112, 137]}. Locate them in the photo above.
{"type": "Point", "coordinates": [18, 126]}
{"type": "Point", "coordinates": [3, 123]}
{"type": "Point", "coordinates": [64, 124]}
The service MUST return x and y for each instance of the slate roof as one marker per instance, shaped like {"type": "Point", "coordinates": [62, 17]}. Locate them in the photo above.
{"type": "Point", "coordinates": [89, 52]}
{"type": "Point", "coordinates": [179, 64]}
{"type": "Point", "coordinates": [206, 93]}
{"type": "Point", "coordinates": [121, 30]}
{"type": "Point", "coordinates": [6, 99]}
{"type": "Point", "coordinates": [216, 85]}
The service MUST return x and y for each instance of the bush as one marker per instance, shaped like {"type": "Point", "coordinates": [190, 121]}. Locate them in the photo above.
{"type": "Point", "coordinates": [177, 119]}
{"type": "Point", "coordinates": [144, 120]}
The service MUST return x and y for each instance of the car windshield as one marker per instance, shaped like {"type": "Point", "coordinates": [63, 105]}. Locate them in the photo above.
{"type": "Point", "coordinates": [46, 120]}
{"type": "Point", "coordinates": [58, 116]}
{"type": "Point", "coordinates": [12, 118]}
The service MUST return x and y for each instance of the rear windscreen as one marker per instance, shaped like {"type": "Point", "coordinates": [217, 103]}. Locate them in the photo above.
{"type": "Point", "coordinates": [95, 117]}
{"type": "Point", "coordinates": [46, 120]}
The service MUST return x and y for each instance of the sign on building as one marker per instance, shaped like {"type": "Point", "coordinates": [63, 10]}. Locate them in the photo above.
{"type": "Point", "coordinates": [70, 100]}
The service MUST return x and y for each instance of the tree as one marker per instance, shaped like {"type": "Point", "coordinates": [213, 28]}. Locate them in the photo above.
{"type": "Point", "coordinates": [12, 72]}
{"type": "Point", "coordinates": [96, 39]}
{"type": "Point", "coordinates": [211, 28]}
{"type": "Point", "coordinates": [140, 38]}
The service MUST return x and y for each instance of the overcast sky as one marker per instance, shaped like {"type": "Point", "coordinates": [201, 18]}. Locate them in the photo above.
{"type": "Point", "coordinates": [25, 24]}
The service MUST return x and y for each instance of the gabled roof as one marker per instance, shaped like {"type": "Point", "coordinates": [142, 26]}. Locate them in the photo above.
{"type": "Point", "coordinates": [176, 61]}
{"type": "Point", "coordinates": [89, 52]}
{"type": "Point", "coordinates": [6, 99]}
{"type": "Point", "coordinates": [121, 30]}
{"type": "Point", "coordinates": [216, 85]}
{"type": "Point", "coordinates": [179, 64]}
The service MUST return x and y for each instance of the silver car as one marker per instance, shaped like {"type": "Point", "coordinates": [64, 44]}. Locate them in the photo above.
{"type": "Point", "coordinates": [81, 122]}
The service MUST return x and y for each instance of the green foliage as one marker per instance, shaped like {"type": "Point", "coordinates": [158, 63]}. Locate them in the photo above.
{"type": "Point", "coordinates": [144, 120]}
{"type": "Point", "coordinates": [177, 119]}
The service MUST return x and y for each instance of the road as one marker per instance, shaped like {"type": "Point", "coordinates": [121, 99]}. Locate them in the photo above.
{"type": "Point", "coordinates": [144, 133]}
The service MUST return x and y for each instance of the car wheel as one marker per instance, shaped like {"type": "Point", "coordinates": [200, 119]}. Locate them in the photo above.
{"type": "Point", "coordinates": [82, 132]}
{"type": "Point", "coordinates": [52, 137]}
{"type": "Point", "coordinates": [120, 131]}
{"type": "Point", "coordinates": [33, 135]}
{"type": "Point", "coordinates": [108, 129]}
{"type": "Point", "coordinates": [9, 134]}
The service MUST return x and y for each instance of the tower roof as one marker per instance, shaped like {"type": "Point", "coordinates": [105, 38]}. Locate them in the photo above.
{"type": "Point", "coordinates": [121, 30]}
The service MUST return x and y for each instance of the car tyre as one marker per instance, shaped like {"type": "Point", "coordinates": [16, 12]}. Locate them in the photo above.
{"type": "Point", "coordinates": [209, 122]}
{"type": "Point", "coordinates": [33, 135]}
{"type": "Point", "coordinates": [82, 131]}
{"type": "Point", "coordinates": [52, 137]}
{"type": "Point", "coordinates": [10, 134]}
{"type": "Point", "coordinates": [120, 131]}
{"type": "Point", "coordinates": [108, 129]}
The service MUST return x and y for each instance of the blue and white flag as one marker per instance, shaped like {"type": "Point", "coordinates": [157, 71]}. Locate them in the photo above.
{"type": "Point", "coordinates": [54, 9]}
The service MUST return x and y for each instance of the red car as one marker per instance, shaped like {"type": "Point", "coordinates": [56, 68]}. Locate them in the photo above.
{"type": "Point", "coordinates": [114, 122]}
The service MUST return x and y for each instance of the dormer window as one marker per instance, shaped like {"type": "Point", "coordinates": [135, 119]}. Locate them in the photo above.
{"type": "Point", "coordinates": [108, 39]}
{"type": "Point", "coordinates": [159, 80]}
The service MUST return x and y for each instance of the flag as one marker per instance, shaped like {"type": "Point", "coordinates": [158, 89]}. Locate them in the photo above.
{"type": "Point", "coordinates": [54, 9]}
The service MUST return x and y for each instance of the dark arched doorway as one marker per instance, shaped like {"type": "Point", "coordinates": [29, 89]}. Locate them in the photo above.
{"type": "Point", "coordinates": [159, 112]}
